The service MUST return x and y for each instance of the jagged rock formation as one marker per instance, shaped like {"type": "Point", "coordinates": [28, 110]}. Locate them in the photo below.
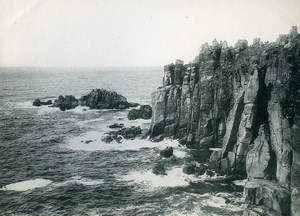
{"type": "Point", "coordinates": [97, 99]}
{"type": "Point", "coordinates": [245, 99]}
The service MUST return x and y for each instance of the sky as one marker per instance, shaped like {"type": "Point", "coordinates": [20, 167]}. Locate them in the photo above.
{"type": "Point", "coordinates": [104, 33]}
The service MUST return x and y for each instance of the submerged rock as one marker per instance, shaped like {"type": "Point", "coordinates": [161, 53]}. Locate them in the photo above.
{"type": "Point", "coordinates": [145, 112]}
{"type": "Point", "coordinates": [159, 169]}
{"type": "Point", "coordinates": [167, 152]}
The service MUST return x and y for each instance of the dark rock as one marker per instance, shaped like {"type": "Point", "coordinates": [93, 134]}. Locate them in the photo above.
{"type": "Point", "coordinates": [167, 152]}
{"type": "Point", "coordinates": [159, 169]}
{"type": "Point", "coordinates": [65, 103]}
{"type": "Point", "coordinates": [133, 104]}
{"type": "Point", "coordinates": [88, 141]}
{"type": "Point", "coordinates": [145, 112]}
{"type": "Point", "coordinates": [38, 102]}
{"type": "Point", "coordinates": [210, 173]}
{"type": "Point", "coordinates": [48, 102]}
{"type": "Point", "coordinates": [201, 169]}
{"type": "Point", "coordinates": [116, 125]}
{"type": "Point", "coordinates": [97, 99]}
{"type": "Point", "coordinates": [107, 138]}
{"type": "Point", "coordinates": [103, 99]}
{"type": "Point", "coordinates": [126, 133]}
{"type": "Point", "coordinates": [189, 168]}
{"type": "Point", "coordinates": [157, 138]}
{"type": "Point", "coordinates": [133, 114]}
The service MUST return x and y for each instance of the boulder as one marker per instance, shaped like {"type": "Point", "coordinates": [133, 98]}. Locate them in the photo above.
{"type": "Point", "coordinates": [167, 152]}
{"type": "Point", "coordinates": [133, 114]}
{"type": "Point", "coordinates": [159, 169]}
{"type": "Point", "coordinates": [145, 112]}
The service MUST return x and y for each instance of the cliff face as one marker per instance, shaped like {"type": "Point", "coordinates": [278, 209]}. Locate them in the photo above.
{"type": "Point", "coordinates": [246, 100]}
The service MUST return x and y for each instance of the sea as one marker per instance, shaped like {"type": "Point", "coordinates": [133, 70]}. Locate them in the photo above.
{"type": "Point", "coordinates": [53, 162]}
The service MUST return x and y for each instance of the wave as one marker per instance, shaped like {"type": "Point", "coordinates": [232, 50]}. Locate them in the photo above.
{"type": "Point", "coordinates": [27, 185]}
{"type": "Point", "coordinates": [91, 141]}
{"type": "Point", "coordinates": [174, 178]}
{"type": "Point", "coordinates": [80, 180]}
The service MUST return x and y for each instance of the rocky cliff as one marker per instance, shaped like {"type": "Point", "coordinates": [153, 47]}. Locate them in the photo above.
{"type": "Point", "coordinates": [246, 101]}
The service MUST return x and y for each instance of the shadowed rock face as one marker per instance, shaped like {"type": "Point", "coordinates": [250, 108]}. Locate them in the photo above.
{"type": "Point", "coordinates": [245, 100]}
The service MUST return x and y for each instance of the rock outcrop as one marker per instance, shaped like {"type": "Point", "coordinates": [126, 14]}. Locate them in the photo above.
{"type": "Point", "coordinates": [118, 135]}
{"type": "Point", "coordinates": [246, 101]}
{"type": "Point", "coordinates": [144, 112]}
{"type": "Point", "coordinates": [97, 99]}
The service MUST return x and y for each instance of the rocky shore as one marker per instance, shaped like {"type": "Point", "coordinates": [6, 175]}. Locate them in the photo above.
{"type": "Point", "coordinates": [243, 103]}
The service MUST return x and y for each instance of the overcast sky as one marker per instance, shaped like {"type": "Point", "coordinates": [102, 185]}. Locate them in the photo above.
{"type": "Point", "coordinates": [87, 33]}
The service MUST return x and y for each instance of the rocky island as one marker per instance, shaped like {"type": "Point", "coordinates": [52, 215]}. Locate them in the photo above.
{"type": "Point", "coordinates": [96, 99]}
{"type": "Point", "coordinates": [243, 103]}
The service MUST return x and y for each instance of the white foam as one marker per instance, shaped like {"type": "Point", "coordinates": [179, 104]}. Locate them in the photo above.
{"type": "Point", "coordinates": [174, 178]}
{"type": "Point", "coordinates": [78, 143]}
{"type": "Point", "coordinates": [27, 185]}
{"type": "Point", "coordinates": [24, 104]}
{"type": "Point", "coordinates": [80, 110]}
{"type": "Point", "coordinates": [46, 109]}
{"type": "Point", "coordinates": [80, 180]}
{"type": "Point", "coordinates": [215, 149]}
{"type": "Point", "coordinates": [220, 202]}
{"type": "Point", "coordinates": [240, 182]}
{"type": "Point", "coordinates": [86, 122]}
{"type": "Point", "coordinates": [143, 123]}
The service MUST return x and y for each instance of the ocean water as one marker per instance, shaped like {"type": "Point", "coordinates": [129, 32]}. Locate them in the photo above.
{"type": "Point", "coordinates": [47, 168]}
